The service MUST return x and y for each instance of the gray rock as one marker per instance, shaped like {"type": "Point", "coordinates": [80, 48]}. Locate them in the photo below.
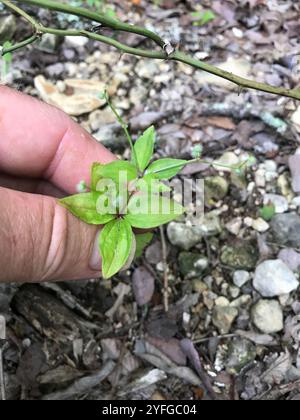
{"type": "Point", "coordinates": [216, 188]}
{"type": "Point", "coordinates": [274, 278]}
{"type": "Point", "coordinates": [265, 143]}
{"type": "Point", "coordinates": [8, 27]}
{"type": "Point", "coordinates": [242, 255]}
{"type": "Point", "coordinates": [112, 137]}
{"type": "Point", "coordinates": [145, 119]}
{"type": "Point", "coordinates": [147, 69]}
{"type": "Point", "coordinates": [184, 236]}
{"type": "Point", "coordinates": [286, 229]}
{"type": "Point", "coordinates": [267, 316]}
{"type": "Point", "coordinates": [223, 318]}
{"type": "Point", "coordinates": [199, 286]}
{"type": "Point", "coordinates": [241, 352]}
{"type": "Point", "coordinates": [55, 70]}
{"type": "Point", "coordinates": [100, 118]}
{"type": "Point", "coordinates": [211, 225]}
{"type": "Point", "coordinates": [240, 278]}
{"type": "Point", "coordinates": [294, 163]}
{"type": "Point", "coordinates": [192, 265]}
{"type": "Point", "coordinates": [6, 294]}
{"type": "Point", "coordinates": [48, 43]}
{"type": "Point", "coordinates": [290, 257]}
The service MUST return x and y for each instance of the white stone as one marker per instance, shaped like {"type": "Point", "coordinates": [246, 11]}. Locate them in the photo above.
{"type": "Point", "coordinates": [234, 225]}
{"type": "Point", "coordinates": [296, 202]}
{"type": "Point", "coordinates": [76, 41]}
{"type": "Point", "coordinates": [248, 221]}
{"type": "Point", "coordinates": [280, 203]}
{"type": "Point", "coordinates": [234, 291]}
{"type": "Point", "coordinates": [296, 119]}
{"type": "Point", "coordinates": [260, 225]}
{"type": "Point", "coordinates": [260, 178]}
{"type": "Point", "coordinates": [240, 278]}
{"type": "Point", "coordinates": [267, 316]}
{"type": "Point", "coordinates": [222, 301]}
{"type": "Point", "coordinates": [270, 166]}
{"type": "Point", "coordinates": [274, 278]}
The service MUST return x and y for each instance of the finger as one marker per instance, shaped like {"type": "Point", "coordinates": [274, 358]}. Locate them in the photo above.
{"type": "Point", "coordinates": [41, 241]}
{"type": "Point", "coordinates": [38, 140]}
{"type": "Point", "coordinates": [30, 185]}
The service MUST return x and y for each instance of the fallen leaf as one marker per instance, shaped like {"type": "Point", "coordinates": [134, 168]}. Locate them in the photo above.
{"type": "Point", "coordinates": [143, 285]}
{"type": "Point", "coordinates": [221, 122]}
{"type": "Point", "coordinates": [277, 371]}
{"type": "Point", "coordinates": [170, 347]}
{"type": "Point", "coordinates": [32, 363]}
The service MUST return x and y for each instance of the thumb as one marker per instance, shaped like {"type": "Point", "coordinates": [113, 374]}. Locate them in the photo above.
{"type": "Point", "coordinates": [42, 241]}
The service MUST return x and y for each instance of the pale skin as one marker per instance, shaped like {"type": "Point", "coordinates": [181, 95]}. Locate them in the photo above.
{"type": "Point", "coordinates": [43, 154]}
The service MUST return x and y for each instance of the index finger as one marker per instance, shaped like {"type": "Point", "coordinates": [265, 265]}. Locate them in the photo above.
{"type": "Point", "coordinates": [40, 141]}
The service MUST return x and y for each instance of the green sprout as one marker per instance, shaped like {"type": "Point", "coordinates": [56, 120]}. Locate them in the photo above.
{"type": "Point", "coordinates": [203, 17]}
{"type": "Point", "coordinates": [268, 211]}
{"type": "Point", "coordinates": [127, 195]}
{"type": "Point", "coordinates": [7, 59]}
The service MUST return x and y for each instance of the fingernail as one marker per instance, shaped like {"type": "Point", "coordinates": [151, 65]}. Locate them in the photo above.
{"type": "Point", "coordinates": [95, 261]}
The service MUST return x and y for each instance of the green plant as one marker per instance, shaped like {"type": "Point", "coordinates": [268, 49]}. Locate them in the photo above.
{"type": "Point", "coordinates": [203, 17]}
{"type": "Point", "coordinates": [7, 60]}
{"type": "Point", "coordinates": [267, 212]}
{"type": "Point", "coordinates": [101, 7]}
{"type": "Point", "coordinates": [125, 195]}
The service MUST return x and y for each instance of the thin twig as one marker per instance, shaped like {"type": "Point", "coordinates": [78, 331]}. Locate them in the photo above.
{"type": "Point", "coordinates": [218, 337]}
{"type": "Point", "coordinates": [117, 25]}
{"type": "Point", "coordinates": [166, 268]}
{"type": "Point", "coordinates": [2, 383]}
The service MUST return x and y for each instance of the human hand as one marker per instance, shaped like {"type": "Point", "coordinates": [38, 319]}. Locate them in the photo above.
{"type": "Point", "coordinates": [43, 151]}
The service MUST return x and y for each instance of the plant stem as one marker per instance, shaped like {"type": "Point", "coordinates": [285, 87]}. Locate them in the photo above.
{"type": "Point", "coordinates": [166, 268]}
{"type": "Point", "coordinates": [117, 25]}
{"type": "Point", "coordinates": [240, 81]}
{"type": "Point", "coordinates": [21, 44]}
{"type": "Point", "coordinates": [123, 125]}
{"type": "Point", "coordinates": [199, 160]}
{"type": "Point", "coordinates": [105, 20]}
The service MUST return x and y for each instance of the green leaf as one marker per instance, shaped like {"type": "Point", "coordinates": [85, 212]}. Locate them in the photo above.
{"type": "Point", "coordinates": [119, 170]}
{"type": "Point", "coordinates": [115, 242]}
{"type": "Point", "coordinates": [166, 168]}
{"type": "Point", "coordinates": [150, 211]}
{"type": "Point", "coordinates": [84, 206]}
{"type": "Point", "coordinates": [142, 240]}
{"type": "Point", "coordinates": [151, 185]}
{"type": "Point", "coordinates": [267, 212]}
{"type": "Point", "coordinates": [144, 148]}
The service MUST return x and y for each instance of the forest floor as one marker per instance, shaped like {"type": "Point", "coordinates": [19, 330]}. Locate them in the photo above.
{"type": "Point", "coordinates": [233, 326]}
